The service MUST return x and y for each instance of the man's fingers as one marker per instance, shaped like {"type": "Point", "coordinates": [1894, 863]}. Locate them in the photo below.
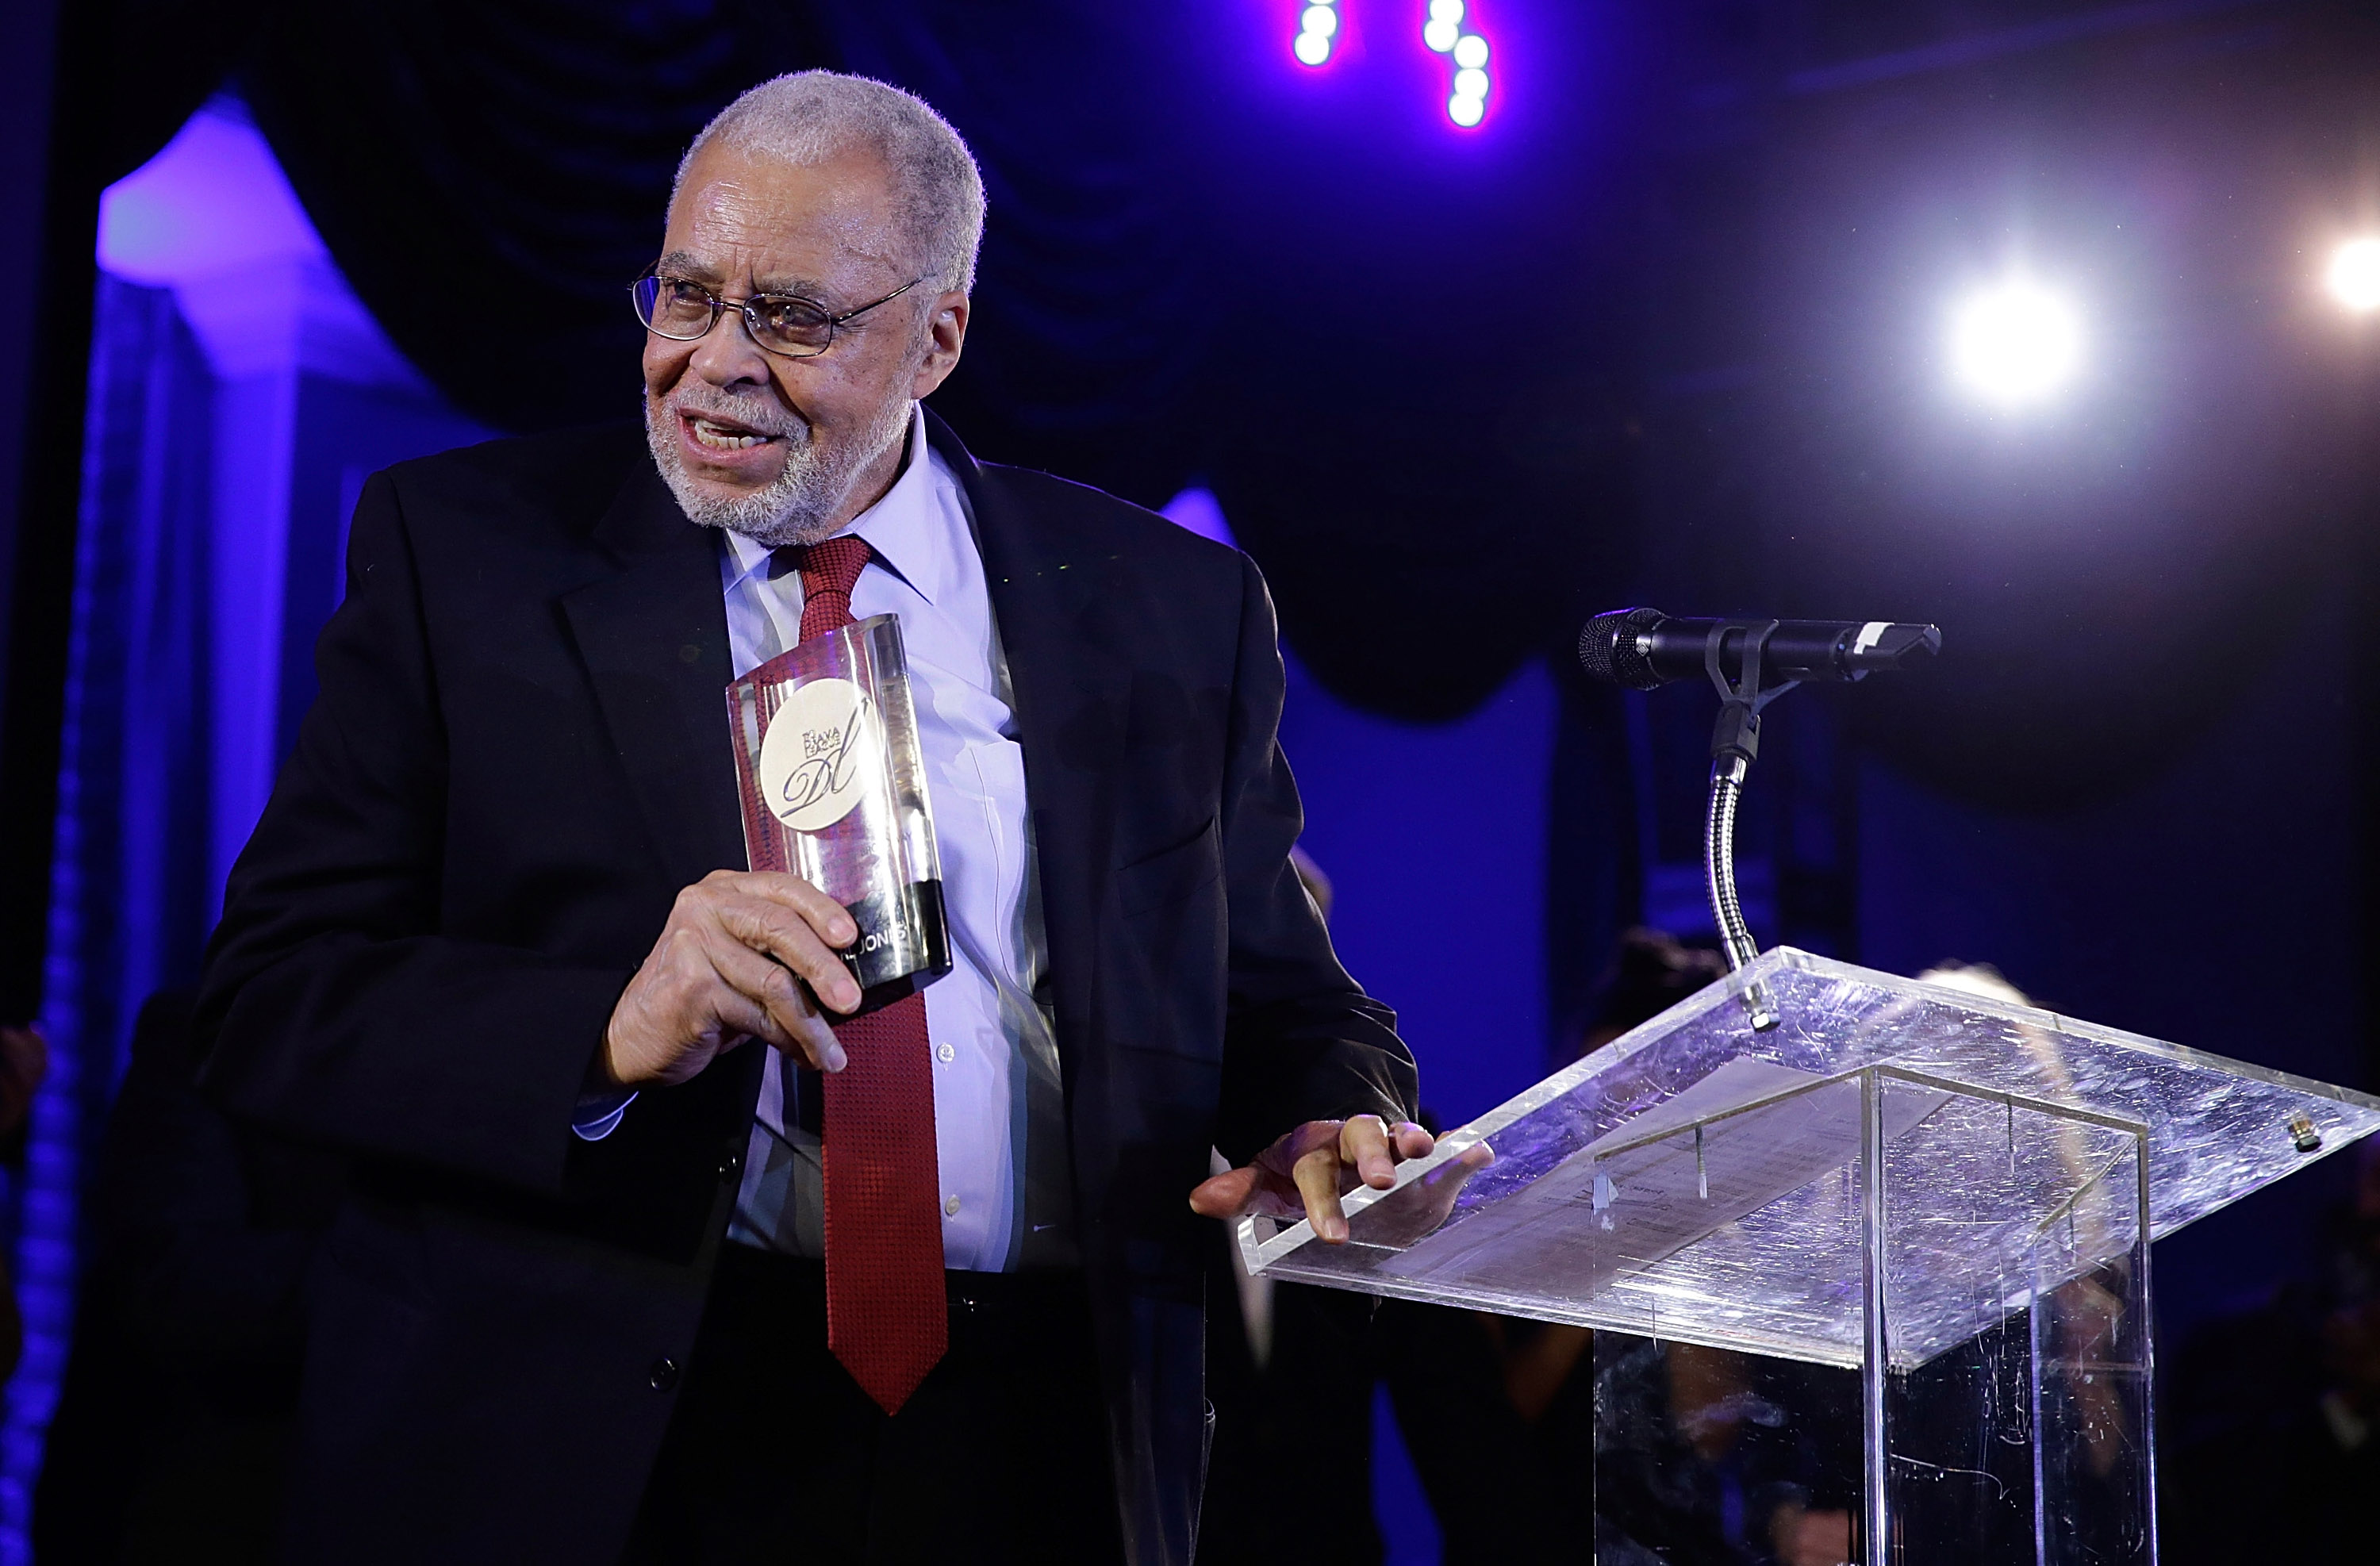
{"type": "Point", "coordinates": [733, 961]}
{"type": "Point", "coordinates": [736, 996]}
{"type": "Point", "coordinates": [771, 927]}
{"type": "Point", "coordinates": [1364, 1143]}
{"type": "Point", "coordinates": [1318, 1181]}
{"type": "Point", "coordinates": [789, 1022]}
{"type": "Point", "coordinates": [1317, 1157]}
{"type": "Point", "coordinates": [823, 913]}
{"type": "Point", "coordinates": [1227, 1195]}
{"type": "Point", "coordinates": [816, 1045]}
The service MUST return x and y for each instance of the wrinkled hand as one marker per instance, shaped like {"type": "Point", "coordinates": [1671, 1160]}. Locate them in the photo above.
{"type": "Point", "coordinates": [1306, 1172]}
{"type": "Point", "coordinates": [746, 955]}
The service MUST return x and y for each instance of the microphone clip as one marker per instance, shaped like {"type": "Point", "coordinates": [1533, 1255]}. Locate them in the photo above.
{"type": "Point", "coordinates": [1736, 736]}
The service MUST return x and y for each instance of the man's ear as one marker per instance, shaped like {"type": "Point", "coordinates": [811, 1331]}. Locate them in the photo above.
{"type": "Point", "coordinates": [945, 338]}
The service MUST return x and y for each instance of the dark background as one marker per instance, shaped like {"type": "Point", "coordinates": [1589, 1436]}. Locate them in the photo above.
{"type": "Point", "coordinates": [1664, 329]}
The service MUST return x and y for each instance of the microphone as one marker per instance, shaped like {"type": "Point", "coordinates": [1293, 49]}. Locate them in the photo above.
{"type": "Point", "coordinates": [1644, 648]}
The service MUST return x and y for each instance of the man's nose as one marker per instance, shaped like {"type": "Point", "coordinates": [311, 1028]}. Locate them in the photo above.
{"type": "Point", "coordinates": [726, 355]}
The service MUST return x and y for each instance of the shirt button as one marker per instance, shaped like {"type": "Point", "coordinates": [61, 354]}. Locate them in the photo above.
{"type": "Point", "coordinates": [945, 1054]}
{"type": "Point", "coordinates": [664, 1375]}
{"type": "Point", "coordinates": [951, 1206]}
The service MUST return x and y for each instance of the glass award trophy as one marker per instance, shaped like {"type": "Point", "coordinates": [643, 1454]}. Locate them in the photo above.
{"type": "Point", "coordinates": [833, 789]}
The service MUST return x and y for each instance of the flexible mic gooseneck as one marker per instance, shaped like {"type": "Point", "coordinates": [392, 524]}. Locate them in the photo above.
{"type": "Point", "coordinates": [1751, 662]}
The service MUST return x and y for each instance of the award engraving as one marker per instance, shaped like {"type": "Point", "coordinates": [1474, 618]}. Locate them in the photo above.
{"type": "Point", "coordinates": [833, 789]}
{"type": "Point", "coordinates": [819, 753]}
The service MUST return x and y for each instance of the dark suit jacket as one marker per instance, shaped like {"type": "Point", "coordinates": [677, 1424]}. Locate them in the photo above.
{"type": "Point", "coordinates": [517, 758]}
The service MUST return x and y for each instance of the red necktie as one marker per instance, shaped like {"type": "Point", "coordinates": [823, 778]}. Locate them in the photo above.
{"type": "Point", "coordinates": [887, 1316]}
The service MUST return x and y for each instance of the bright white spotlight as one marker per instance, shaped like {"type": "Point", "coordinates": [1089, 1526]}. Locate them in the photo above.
{"type": "Point", "coordinates": [2016, 342]}
{"type": "Point", "coordinates": [1321, 20]}
{"type": "Point", "coordinates": [1446, 34]}
{"type": "Point", "coordinates": [1312, 48]}
{"type": "Point", "coordinates": [2354, 275]}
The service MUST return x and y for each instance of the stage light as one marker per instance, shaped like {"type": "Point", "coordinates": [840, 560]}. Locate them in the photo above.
{"type": "Point", "coordinates": [1318, 25]}
{"type": "Point", "coordinates": [1445, 25]}
{"type": "Point", "coordinates": [2016, 342]}
{"type": "Point", "coordinates": [2354, 276]}
{"type": "Point", "coordinates": [1445, 33]}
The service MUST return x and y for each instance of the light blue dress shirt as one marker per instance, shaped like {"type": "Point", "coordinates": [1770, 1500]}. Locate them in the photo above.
{"type": "Point", "coordinates": [999, 1114]}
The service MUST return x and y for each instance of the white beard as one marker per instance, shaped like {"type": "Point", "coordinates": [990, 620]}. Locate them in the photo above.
{"type": "Point", "coordinates": [803, 502]}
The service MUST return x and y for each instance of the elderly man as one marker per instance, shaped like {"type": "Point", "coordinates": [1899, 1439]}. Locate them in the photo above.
{"type": "Point", "coordinates": [599, 1291]}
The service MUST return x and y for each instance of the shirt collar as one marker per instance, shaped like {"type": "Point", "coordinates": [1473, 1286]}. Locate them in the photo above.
{"type": "Point", "coordinates": [902, 528]}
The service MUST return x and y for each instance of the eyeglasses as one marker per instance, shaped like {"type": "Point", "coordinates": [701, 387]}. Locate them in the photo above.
{"type": "Point", "coordinates": [685, 311]}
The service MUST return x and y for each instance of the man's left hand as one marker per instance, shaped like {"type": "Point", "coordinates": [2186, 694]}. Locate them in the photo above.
{"type": "Point", "coordinates": [1306, 1172]}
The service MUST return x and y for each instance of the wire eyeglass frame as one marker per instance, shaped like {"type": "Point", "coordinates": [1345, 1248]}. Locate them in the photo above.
{"type": "Point", "coordinates": [645, 294]}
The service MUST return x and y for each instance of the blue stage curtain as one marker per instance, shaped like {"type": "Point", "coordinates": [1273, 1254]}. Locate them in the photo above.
{"type": "Point", "coordinates": [130, 904]}
{"type": "Point", "coordinates": [185, 682]}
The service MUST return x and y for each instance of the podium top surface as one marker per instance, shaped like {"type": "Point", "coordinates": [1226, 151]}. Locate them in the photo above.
{"type": "Point", "coordinates": [1696, 1177]}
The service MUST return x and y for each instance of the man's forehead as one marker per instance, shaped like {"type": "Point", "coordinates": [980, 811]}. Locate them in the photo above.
{"type": "Point", "coordinates": [794, 222]}
{"type": "Point", "coordinates": [739, 268]}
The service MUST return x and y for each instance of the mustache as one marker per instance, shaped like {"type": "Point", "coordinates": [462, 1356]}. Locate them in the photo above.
{"type": "Point", "coordinates": [755, 413]}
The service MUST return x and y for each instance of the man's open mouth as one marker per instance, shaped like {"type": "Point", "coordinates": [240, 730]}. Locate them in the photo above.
{"type": "Point", "coordinates": [721, 434]}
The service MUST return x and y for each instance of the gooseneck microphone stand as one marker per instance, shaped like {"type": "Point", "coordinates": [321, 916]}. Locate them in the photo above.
{"type": "Point", "coordinates": [1640, 648]}
{"type": "Point", "coordinates": [1735, 745]}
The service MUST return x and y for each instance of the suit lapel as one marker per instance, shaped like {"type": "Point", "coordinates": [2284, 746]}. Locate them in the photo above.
{"type": "Point", "coordinates": [1070, 680]}
{"type": "Point", "coordinates": [654, 637]}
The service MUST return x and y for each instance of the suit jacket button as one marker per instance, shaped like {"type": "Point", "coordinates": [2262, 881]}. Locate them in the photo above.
{"type": "Point", "coordinates": [665, 1374]}
{"type": "Point", "coordinates": [729, 1162]}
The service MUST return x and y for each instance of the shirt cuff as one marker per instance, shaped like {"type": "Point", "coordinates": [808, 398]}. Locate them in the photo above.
{"type": "Point", "coordinates": [599, 1115]}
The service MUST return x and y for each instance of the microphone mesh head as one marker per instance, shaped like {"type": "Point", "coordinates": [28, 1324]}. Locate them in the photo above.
{"type": "Point", "coordinates": [1608, 647]}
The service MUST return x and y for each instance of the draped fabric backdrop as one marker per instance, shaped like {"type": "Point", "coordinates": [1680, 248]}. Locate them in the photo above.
{"type": "Point", "coordinates": [132, 896]}
{"type": "Point", "coordinates": [1412, 365]}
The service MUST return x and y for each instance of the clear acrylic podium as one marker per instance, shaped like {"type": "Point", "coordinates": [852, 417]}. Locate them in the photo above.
{"type": "Point", "coordinates": [1947, 1198]}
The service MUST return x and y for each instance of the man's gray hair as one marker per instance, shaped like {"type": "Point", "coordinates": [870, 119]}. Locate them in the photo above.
{"type": "Point", "coordinates": [811, 117]}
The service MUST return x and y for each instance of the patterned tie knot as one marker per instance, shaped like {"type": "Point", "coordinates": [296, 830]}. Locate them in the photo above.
{"type": "Point", "coordinates": [829, 570]}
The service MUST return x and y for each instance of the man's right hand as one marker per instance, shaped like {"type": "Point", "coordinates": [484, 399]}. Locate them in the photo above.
{"type": "Point", "coordinates": [724, 970]}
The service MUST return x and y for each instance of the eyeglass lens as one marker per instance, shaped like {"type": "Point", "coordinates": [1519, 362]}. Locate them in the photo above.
{"type": "Point", "coordinates": [683, 310]}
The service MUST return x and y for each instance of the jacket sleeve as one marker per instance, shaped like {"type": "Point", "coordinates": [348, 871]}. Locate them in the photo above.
{"type": "Point", "coordinates": [1302, 1040]}
{"type": "Point", "coordinates": [332, 1007]}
